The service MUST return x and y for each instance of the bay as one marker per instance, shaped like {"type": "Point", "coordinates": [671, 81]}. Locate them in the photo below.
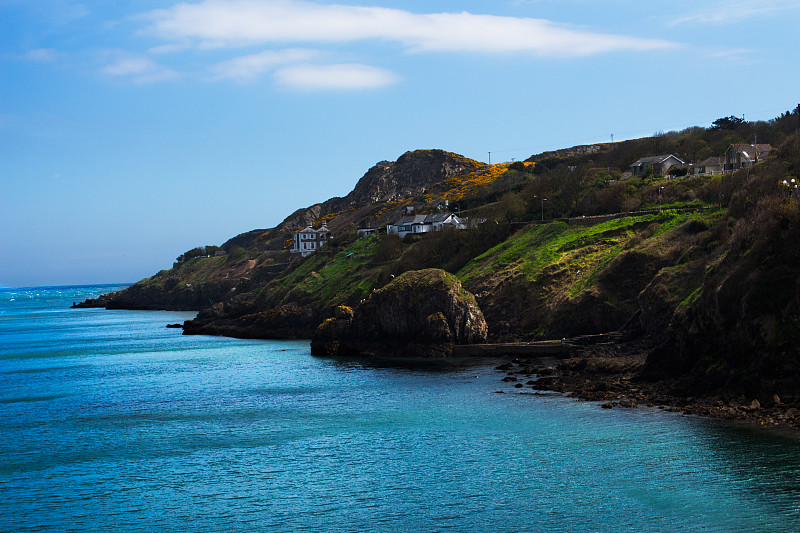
{"type": "Point", "coordinates": [110, 420]}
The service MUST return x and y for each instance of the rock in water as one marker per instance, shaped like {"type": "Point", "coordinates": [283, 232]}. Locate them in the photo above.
{"type": "Point", "coordinates": [422, 313]}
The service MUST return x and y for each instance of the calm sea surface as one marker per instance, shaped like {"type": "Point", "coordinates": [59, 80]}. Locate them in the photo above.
{"type": "Point", "coordinates": [111, 422]}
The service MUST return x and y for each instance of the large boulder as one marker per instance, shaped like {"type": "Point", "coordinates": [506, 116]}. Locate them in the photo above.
{"type": "Point", "coordinates": [422, 313]}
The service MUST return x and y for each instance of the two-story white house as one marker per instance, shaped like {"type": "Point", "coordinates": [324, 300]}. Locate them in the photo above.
{"type": "Point", "coordinates": [308, 240]}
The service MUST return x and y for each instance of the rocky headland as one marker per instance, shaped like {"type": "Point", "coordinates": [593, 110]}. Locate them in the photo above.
{"type": "Point", "coordinates": [422, 313]}
{"type": "Point", "coordinates": [695, 306]}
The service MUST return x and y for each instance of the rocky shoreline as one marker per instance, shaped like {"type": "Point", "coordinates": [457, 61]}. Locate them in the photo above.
{"type": "Point", "coordinates": [612, 374]}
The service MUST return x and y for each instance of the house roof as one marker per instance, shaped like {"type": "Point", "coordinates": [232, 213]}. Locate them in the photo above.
{"type": "Point", "coordinates": [411, 219]}
{"type": "Point", "coordinates": [714, 160]}
{"type": "Point", "coordinates": [440, 217]}
{"type": "Point", "coordinates": [423, 219]}
{"type": "Point", "coordinates": [750, 150]}
{"type": "Point", "coordinates": [654, 159]}
{"type": "Point", "coordinates": [309, 229]}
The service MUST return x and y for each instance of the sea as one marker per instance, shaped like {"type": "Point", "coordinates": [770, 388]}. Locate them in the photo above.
{"type": "Point", "coordinates": [110, 421]}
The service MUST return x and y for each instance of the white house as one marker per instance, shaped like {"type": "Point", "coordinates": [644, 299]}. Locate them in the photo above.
{"type": "Point", "coordinates": [424, 224]}
{"type": "Point", "coordinates": [308, 240]}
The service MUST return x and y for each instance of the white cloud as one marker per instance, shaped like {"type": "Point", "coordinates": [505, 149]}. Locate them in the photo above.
{"type": "Point", "coordinates": [732, 11]}
{"type": "Point", "coordinates": [327, 77]}
{"type": "Point", "coordinates": [139, 69]}
{"type": "Point", "coordinates": [217, 23]}
{"type": "Point", "coordinates": [41, 55]}
{"type": "Point", "coordinates": [247, 68]}
{"type": "Point", "coordinates": [738, 55]}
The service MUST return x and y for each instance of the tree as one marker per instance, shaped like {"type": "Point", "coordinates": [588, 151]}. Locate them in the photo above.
{"type": "Point", "coordinates": [727, 123]}
{"type": "Point", "coordinates": [200, 251]}
{"type": "Point", "coordinates": [678, 171]}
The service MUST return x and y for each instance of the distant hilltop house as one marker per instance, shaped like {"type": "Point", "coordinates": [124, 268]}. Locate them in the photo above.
{"type": "Point", "coordinates": [424, 224]}
{"type": "Point", "coordinates": [659, 163]}
{"type": "Point", "coordinates": [744, 155]}
{"type": "Point", "coordinates": [712, 165]}
{"type": "Point", "coordinates": [308, 240]}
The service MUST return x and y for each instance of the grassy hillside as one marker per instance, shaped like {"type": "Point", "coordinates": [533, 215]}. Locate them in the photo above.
{"type": "Point", "coordinates": [537, 257]}
{"type": "Point", "coordinates": [563, 279]}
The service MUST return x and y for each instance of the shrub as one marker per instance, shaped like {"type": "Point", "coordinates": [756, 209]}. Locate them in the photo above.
{"type": "Point", "coordinates": [390, 248]}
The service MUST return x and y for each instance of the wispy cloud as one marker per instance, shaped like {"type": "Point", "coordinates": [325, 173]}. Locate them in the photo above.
{"type": "Point", "coordinates": [41, 55]}
{"type": "Point", "coordinates": [738, 55]}
{"type": "Point", "coordinates": [733, 11]}
{"type": "Point", "coordinates": [248, 68]}
{"type": "Point", "coordinates": [305, 37]}
{"type": "Point", "coordinates": [138, 69]}
{"type": "Point", "coordinates": [333, 77]}
{"type": "Point", "coordinates": [216, 23]}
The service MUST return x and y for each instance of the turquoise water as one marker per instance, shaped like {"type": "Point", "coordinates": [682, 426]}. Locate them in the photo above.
{"type": "Point", "coordinates": [110, 421]}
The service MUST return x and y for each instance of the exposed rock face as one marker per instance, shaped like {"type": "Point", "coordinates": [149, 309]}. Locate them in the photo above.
{"type": "Point", "coordinates": [409, 176]}
{"type": "Point", "coordinates": [421, 313]}
{"type": "Point", "coordinates": [586, 149]}
{"type": "Point", "coordinates": [413, 172]}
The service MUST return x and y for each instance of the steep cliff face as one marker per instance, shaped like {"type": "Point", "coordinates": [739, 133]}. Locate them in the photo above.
{"type": "Point", "coordinates": [423, 312]}
{"type": "Point", "coordinates": [742, 332]}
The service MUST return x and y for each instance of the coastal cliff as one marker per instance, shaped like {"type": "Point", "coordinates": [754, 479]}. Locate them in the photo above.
{"type": "Point", "coordinates": [695, 279]}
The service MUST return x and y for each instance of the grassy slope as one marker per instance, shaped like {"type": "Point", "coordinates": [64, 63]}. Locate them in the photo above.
{"type": "Point", "coordinates": [545, 280]}
{"type": "Point", "coordinates": [556, 278]}
{"type": "Point", "coordinates": [325, 281]}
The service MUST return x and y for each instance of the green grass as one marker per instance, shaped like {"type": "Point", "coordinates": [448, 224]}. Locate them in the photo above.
{"type": "Point", "coordinates": [324, 280]}
{"type": "Point", "coordinates": [583, 251]}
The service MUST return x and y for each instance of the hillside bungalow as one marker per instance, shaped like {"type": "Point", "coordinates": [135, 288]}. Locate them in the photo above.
{"type": "Point", "coordinates": [659, 163]}
{"type": "Point", "coordinates": [424, 224]}
{"type": "Point", "coordinates": [744, 155]}
{"type": "Point", "coordinates": [363, 232]}
{"type": "Point", "coordinates": [710, 166]}
{"type": "Point", "coordinates": [308, 240]}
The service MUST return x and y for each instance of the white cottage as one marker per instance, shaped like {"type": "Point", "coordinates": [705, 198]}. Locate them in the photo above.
{"type": "Point", "coordinates": [424, 224]}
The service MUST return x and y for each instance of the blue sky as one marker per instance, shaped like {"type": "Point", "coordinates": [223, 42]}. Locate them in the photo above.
{"type": "Point", "coordinates": [132, 131]}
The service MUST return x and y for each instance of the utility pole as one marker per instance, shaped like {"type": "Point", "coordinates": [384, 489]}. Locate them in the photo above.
{"type": "Point", "coordinates": [543, 201]}
{"type": "Point", "coordinates": [490, 158]}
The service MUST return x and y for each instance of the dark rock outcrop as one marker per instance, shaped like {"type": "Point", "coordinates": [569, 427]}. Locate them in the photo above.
{"type": "Point", "coordinates": [170, 296]}
{"type": "Point", "coordinates": [284, 322]}
{"type": "Point", "coordinates": [422, 313]}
